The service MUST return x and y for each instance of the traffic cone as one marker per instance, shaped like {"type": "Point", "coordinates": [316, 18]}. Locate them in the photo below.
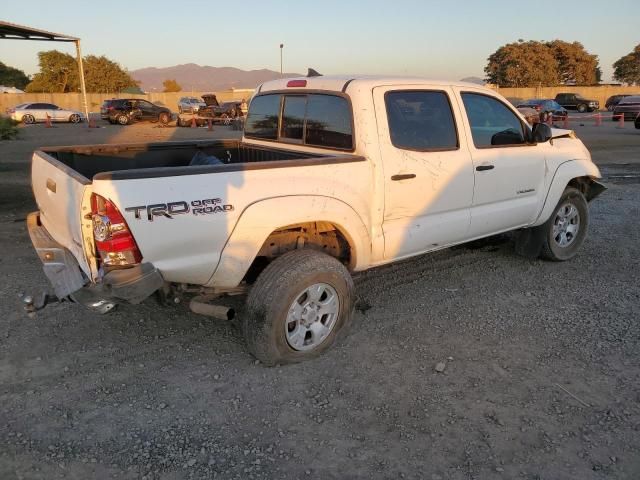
{"type": "Point", "coordinates": [621, 120]}
{"type": "Point", "coordinates": [565, 122]}
{"type": "Point", "coordinates": [210, 127]}
{"type": "Point", "coordinates": [193, 122]}
{"type": "Point", "coordinates": [92, 122]}
{"type": "Point", "coordinates": [47, 122]}
{"type": "Point", "coordinates": [598, 119]}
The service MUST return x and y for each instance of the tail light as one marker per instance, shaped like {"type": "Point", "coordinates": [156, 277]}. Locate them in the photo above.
{"type": "Point", "coordinates": [114, 242]}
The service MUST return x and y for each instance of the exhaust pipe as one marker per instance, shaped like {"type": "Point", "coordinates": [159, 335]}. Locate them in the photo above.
{"type": "Point", "coordinates": [200, 306]}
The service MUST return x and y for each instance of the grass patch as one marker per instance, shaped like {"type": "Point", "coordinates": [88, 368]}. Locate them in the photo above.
{"type": "Point", "coordinates": [8, 128]}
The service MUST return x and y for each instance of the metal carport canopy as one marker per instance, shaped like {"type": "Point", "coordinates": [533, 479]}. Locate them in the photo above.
{"type": "Point", "coordinates": [11, 31]}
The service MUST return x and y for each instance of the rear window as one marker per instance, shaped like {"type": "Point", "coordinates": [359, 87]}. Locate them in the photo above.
{"type": "Point", "coordinates": [314, 119]}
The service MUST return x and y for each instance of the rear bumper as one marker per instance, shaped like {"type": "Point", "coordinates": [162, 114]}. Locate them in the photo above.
{"type": "Point", "coordinates": [132, 284]}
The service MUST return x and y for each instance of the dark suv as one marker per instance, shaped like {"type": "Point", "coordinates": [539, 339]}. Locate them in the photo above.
{"type": "Point", "coordinates": [128, 110]}
{"type": "Point", "coordinates": [575, 101]}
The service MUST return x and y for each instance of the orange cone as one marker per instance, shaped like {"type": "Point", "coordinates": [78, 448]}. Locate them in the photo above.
{"type": "Point", "coordinates": [47, 122]}
{"type": "Point", "coordinates": [565, 122]}
{"type": "Point", "coordinates": [598, 119]}
{"type": "Point", "coordinates": [193, 122]}
{"type": "Point", "coordinates": [621, 120]}
{"type": "Point", "coordinates": [210, 125]}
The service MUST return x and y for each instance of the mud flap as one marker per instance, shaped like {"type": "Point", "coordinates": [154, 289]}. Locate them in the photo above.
{"type": "Point", "coordinates": [529, 242]}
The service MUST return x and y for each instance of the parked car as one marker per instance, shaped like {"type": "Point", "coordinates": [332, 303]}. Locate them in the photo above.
{"type": "Point", "coordinates": [530, 114]}
{"type": "Point", "coordinates": [190, 105]}
{"type": "Point", "coordinates": [38, 112]}
{"type": "Point", "coordinates": [575, 101]}
{"type": "Point", "coordinates": [333, 175]}
{"type": "Point", "coordinates": [128, 110]}
{"type": "Point", "coordinates": [224, 110]}
{"type": "Point", "coordinates": [629, 107]}
{"type": "Point", "coordinates": [613, 100]}
{"type": "Point", "coordinates": [546, 108]}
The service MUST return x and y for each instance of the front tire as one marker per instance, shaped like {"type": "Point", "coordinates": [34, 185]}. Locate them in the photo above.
{"type": "Point", "coordinates": [164, 118]}
{"type": "Point", "coordinates": [75, 118]}
{"type": "Point", "coordinates": [582, 108]}
{"type": "Point", "coordinates": [567, 227]}
{"type": "Point", "coordinates": [122, 120]}
{"type": "Point", "coordinates": [297, 307]}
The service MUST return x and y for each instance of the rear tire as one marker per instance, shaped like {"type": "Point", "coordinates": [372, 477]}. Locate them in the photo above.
{"type": "Point", "coordinates": [567, 227]}
{"type": "Point", "coordinates": [164, 118]}
{"type": "Point", "coordinates": [122, 120]}
{"type": "Point", "coordinates": [75, 118]}
{"type": "Point", "coordinates": [582, 108]}
{"type": "Point", "coordinates": [297, 307]}
{"type": "Point", "coordinates": [28, 119]}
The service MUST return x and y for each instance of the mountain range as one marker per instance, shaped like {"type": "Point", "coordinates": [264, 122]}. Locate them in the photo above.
{"type": "Point", "coordinates": [202, 78]}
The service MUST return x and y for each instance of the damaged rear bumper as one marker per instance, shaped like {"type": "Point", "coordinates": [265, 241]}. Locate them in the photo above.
{"type": "Point", "coordinates": [132, 284]}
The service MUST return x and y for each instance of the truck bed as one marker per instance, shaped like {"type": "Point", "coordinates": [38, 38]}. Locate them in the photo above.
{"type": "Point", "coordinates": [128, 161]}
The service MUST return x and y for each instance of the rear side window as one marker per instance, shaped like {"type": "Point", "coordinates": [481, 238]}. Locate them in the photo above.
{"type": "Point", "coordinates": [421, 120]}
{"type": "Point", "coordinates": [311, 119]}
{"type": "Point", "coordinates": [262, 121]}
{"type": "Point", "coordinates": [492, 123]}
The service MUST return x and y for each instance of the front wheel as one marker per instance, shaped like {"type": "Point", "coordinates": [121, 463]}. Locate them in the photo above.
{"type": "Point", "coordinates": [582, 108]}
{"type": "Point", "coordinates": [122, 119]}
{"type": "Point", "coordinates": [164, 118]}
{"type": "Point", "coordinates": [567, 227]}
{"type": "Point", "coordinates": [75, 118]}
{"type": "Point", "coordinates": [297, 307]}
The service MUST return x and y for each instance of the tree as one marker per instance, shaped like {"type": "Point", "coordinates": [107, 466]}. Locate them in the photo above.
{"type": "Point", "coordinates": [171, 86]}
{"type": "Point", "coordinates": [103, 75]}
{"type": "Point", "coordinates": [12, 77]}
{"type": "Point", "coordinates": [575, 65]}
{"type": "Point", "coordinates": [59, 74]}
{"type": "Point", "coordinates": [522, 64]}
{"type": "Point", "coordinates": [532, 63]}
{"type": "Point", "coordinates": [627, 68]}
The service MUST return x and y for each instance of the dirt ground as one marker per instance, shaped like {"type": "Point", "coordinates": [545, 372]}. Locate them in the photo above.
{"type": "Point", "coordinates": [542, 377]}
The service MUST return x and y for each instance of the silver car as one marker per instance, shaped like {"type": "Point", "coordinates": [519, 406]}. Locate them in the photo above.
{"type": "Point", "coordinates": [190, 105]}
{"type": "Point", "coordinates": [38, 112]}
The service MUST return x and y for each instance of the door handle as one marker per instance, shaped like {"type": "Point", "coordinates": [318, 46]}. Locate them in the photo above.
{"type": "Point", "coordinates": [404, 176]}
{"type": "Point", "coordinates": [482, 168]}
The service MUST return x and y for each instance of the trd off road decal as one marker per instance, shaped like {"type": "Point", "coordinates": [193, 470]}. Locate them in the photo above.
{"type": "Point", "coordinates": [168, 210]}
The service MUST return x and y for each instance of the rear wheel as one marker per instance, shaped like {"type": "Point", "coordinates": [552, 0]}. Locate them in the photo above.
{"type": "Point", "coordinates": [122, 119]}
{"type": "Point", "coordinates": [582, 108]}
{"type": "Point", "coordinates": [164, 118]}
{"type": "Point", "coordinates": [567, 227]}
{"type": "Point", "coordinates": [297, 307]}
{"type": "Point", "coordinates": [28, 119]}
{"type": "Point", "coordinates": [225, 119]}
{"type": "Point", "coordinates": [75, 118]}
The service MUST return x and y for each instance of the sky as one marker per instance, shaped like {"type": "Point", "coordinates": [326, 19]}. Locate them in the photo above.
{"type": "Point", "coordinates": [440, 40]}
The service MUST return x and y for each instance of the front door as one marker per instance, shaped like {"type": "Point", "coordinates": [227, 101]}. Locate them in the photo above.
{"type": "Point", "coordinates": [428, 175]}
{"type": "Point", "coordinates": [509, 173]}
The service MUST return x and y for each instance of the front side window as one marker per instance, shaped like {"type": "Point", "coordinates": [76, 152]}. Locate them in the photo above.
{"type": "Point", "coordinates": [492, 123]}
{"type": "Point", "coordinates": [311, 119]}
{"type": "Point", "coordinates": [421, 120]}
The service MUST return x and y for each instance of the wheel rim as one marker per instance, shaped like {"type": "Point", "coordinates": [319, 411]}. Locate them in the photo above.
{"type": "Point", "coordinates": [566, 225]}
{"type": "Point", "coordinates": [163, 118]}
{"type": "Point", "coordinates": [27, 119]}
{"type": "Point", "coordinates": [312, 317]}
{"type": "Point", "coordinates": [75, 118]}
{"type": "Point", "coordinates": [122, 120]}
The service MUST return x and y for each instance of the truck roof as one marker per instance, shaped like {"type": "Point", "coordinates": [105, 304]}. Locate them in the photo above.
{"type": "Point", "coordinates": [340, 82]}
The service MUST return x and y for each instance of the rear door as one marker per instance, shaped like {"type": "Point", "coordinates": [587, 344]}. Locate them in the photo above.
{"type": "Point", "coordinates": [60, 194]}
{"type": "Point", "coordinates": [428, 174]}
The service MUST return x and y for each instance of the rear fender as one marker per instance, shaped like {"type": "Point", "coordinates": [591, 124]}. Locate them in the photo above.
{"type": "Point", "coordinates": [260, 219]}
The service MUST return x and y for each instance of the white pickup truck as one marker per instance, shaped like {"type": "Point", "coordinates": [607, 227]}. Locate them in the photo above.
{"type": "Point", "coordinates": [333, 175]}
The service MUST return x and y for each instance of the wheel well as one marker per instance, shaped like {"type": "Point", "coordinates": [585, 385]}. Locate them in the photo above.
{"type": "Point", "coordinates": [589, 188]}
{"type": "Point", "coordinates": [323, 236]}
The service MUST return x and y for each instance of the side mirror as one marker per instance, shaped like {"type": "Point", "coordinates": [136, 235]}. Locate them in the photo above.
{"type": "Point", "coordinates": [541, 132]}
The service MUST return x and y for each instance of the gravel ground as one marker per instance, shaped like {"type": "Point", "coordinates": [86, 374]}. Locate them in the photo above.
{"type": "Point", "coordinates": [539, 362]}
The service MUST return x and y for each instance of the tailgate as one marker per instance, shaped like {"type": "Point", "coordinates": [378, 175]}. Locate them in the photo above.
{"type": "Point", "coordinates": [60, 193]}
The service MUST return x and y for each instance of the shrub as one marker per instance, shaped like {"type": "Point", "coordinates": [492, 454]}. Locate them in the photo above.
{"type": "Point", "coordinates": [8, 128]}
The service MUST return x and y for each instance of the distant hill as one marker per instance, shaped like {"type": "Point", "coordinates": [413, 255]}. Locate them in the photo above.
{"type": "Point", "coordinates": [204, 78]}
{"type": "Point", "coordinates": [477, 80]}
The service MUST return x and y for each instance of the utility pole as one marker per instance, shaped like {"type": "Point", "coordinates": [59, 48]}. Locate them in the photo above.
{"type": "Point", "coordinates": [281, 46]}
